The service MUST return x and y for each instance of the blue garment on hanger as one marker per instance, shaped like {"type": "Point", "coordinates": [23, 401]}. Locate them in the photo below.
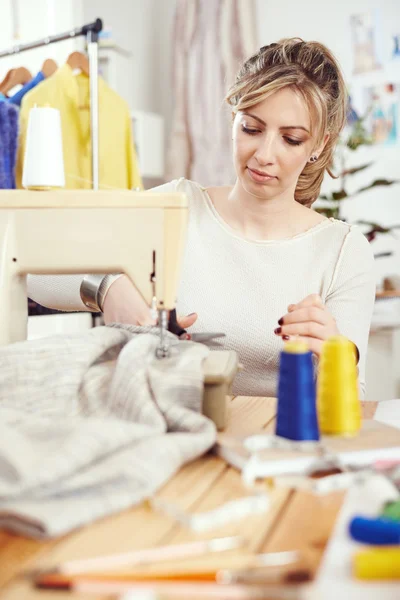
{"type": "Point", "coordinates": [8, 144]}
{"type": "Point", "coordinates": [17, 98]}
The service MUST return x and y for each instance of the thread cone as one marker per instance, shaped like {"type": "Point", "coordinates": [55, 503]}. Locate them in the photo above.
{"type": "Point", "coordinates": [43, 160]}
{"type": "Point", "coordinates": [296, 414]}
{"type": "Point", "coordinates": [338, 402]}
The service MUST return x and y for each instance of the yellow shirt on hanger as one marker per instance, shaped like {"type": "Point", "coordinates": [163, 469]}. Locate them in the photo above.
{"type": "Point", "coordinates": [118, 165]}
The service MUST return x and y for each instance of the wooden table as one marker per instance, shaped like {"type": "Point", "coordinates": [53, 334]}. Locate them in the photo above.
{"type": "Point", "coordinates": [296, 519]}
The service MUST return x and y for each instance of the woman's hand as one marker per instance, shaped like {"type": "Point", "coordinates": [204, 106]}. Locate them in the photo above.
{"type": "Point", "coordinates": [309, 321]}
{"type": "Point", "coordinates": [124, 304]}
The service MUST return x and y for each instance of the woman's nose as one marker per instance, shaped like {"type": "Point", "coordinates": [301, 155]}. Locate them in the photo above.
{"type": "Point", "coordinates": [265, 153]}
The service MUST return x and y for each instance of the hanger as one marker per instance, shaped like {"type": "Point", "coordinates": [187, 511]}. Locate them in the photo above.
{"type": "Point", "coordinates": [49, 67]}
{"type": "Point", "coordinates": [18, 76]}
{"type": "Point", "coordinates": [78, 60]}
{"type": "Point", "coordinates": [6, 78]}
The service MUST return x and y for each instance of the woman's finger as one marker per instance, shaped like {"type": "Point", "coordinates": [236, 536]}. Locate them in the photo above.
{"type": "Point", "coordinates": [308, 329]}
{"type": "Point", "coordinates": [315, 314]}
{"type": "Point", "coordinates": [311, 300]}
{"type": "Point", "coordinates": [313, 344]}
{"type": "Point", "coordinates": [187, 320]}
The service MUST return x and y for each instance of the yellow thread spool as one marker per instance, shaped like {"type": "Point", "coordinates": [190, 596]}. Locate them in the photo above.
{"type": "Point", "coordinates": [379, 563]}
{"type": "Point", "coordinates": [338, 402]}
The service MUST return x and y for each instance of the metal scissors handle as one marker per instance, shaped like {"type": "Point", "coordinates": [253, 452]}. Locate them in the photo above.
{"type": "Point", "coordinates": [202, 338]}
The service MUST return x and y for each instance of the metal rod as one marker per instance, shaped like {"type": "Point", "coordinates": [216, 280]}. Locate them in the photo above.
{"type": "Point", "coordinates": [92, 48]}
{"type": "Point", "coordinates": [162, 350]}
{"type": "Point", "coordinates": [94, 27]}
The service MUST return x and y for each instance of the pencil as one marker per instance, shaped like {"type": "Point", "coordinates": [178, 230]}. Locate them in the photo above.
{"type": "Point", "coordinates": [56, 581]}
{"type": "Point", "coordinates": [183, 590]}
{"type": "Point", "coordinates": [223, 577]}
{"type": "Point", "coordinates": [254, 564]}
{"type": "Point", "coordinates": [149, 555]}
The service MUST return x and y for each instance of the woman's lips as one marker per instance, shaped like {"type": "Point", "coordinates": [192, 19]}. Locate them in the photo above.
{"type": "Point", "coordinates": [258, 177]}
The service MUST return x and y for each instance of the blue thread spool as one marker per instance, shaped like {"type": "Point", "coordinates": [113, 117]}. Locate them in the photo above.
{"type": "Point", "coordinates": [380, 531]}
{"type": "Point", "coordinates": [297, 412]}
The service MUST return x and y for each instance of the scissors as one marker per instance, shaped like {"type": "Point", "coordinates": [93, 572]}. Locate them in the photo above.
{"type": "Point", "coordinates": [202, 338]}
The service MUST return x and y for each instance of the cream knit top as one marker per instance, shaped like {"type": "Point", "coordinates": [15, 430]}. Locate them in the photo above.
{"type": "Point", "coordinates": [242, 287]}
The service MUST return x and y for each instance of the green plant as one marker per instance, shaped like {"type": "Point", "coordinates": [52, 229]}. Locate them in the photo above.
{"type": "Point", "coordinates": [356, 135]}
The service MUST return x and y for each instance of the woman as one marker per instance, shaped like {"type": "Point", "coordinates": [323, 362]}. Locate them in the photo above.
{"type": "Point", "coordinates": [259, 264]}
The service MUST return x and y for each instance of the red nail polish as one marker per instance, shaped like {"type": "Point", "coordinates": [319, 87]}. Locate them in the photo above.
{"type": "Point", "coordinates": [280, 321]}
{"type": "Point", "coordinates": [286, 337]}
{"type": "Point", "coordinates": [278, 330]}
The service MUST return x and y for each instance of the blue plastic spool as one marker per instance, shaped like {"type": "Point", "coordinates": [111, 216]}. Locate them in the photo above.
{"type": "Point", "coordinates": [380, 531]}
{"type": "Point", "coordinates": [297, 412]}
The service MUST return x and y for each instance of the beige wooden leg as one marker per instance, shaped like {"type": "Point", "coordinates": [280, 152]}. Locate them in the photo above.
{"type": "Point", "coordinates": [13, 295]}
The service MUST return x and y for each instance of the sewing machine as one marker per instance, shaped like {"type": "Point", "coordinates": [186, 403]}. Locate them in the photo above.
{"type": "Point", "coordinates": [65, 232]}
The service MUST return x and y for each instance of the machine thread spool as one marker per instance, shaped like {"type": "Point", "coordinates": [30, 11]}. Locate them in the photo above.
{"type": "Point", "coordinates": [375, 532]}
{"type": "Point", "coordinates": [297, 413]}
{"type": "Point", "coordinates": [43, 160]}
{"type": "Point", "coordinates": [339, 407]}
{"type": "Point", "coordinates": [377, 563]}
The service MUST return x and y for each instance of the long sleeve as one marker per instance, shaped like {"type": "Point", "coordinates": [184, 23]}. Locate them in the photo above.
{"type": "Point", "coordinates": [61, 292]}
{"type": "Point", "coordinates": [351, 296]}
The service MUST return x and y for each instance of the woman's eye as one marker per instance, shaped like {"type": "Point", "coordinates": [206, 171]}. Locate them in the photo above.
{"type": "Point", "coordinates": [293, 142]}
{"type": "Point", "coordinates": [249, 130]}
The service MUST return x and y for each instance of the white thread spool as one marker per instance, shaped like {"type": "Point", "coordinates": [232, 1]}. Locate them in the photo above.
{"type": "Point", "coordinates": [43, 161]}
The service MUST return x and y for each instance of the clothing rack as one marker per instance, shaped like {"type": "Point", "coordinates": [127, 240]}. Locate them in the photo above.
{"type": "Point", "coordinates": [91, 31]}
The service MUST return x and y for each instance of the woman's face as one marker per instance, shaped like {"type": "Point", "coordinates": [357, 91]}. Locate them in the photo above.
{"type": "Point", "coordinates": [272, 144]}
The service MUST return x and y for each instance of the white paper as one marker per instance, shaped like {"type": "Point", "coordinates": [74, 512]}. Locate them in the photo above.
{"type": "Point", "coordinates": [228, 512]}
{"type": "Point", "coordinates": [388, 412]}
{"type": "Point", "coordinates": [334, 579]}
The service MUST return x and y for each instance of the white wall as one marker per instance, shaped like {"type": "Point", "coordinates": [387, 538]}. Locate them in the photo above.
{"type": "Point", "coordinates": [144, 29]}
{"type": "Point", "coordinates": [322, 21]}
{"type": "Point", "coordinates": [36, 20]}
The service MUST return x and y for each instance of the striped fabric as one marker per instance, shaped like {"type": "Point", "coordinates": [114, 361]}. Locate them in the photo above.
{"type": "Point", "coordinates": [93, 423]}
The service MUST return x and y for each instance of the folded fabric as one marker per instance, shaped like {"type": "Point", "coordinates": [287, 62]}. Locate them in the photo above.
{"type": "Point", "coordinates": [8, 144]}
{"type": "Point", "coordinates": [94, 423]}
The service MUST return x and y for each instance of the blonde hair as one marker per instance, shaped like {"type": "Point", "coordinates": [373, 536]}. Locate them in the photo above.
{"type": "Point", "coordinates": [311, 70]}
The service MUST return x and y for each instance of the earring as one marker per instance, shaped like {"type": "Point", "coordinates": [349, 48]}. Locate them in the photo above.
{"type": "Point", "coordinates": [313, 159]}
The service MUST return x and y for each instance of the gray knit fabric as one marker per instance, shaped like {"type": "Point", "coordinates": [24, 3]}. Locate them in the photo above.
{"type": "Point", "coordinates": [92, 424]}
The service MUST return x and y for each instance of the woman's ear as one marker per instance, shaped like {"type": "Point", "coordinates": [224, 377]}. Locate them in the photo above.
{"type": "Point", "coordinates": [322, 146]}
